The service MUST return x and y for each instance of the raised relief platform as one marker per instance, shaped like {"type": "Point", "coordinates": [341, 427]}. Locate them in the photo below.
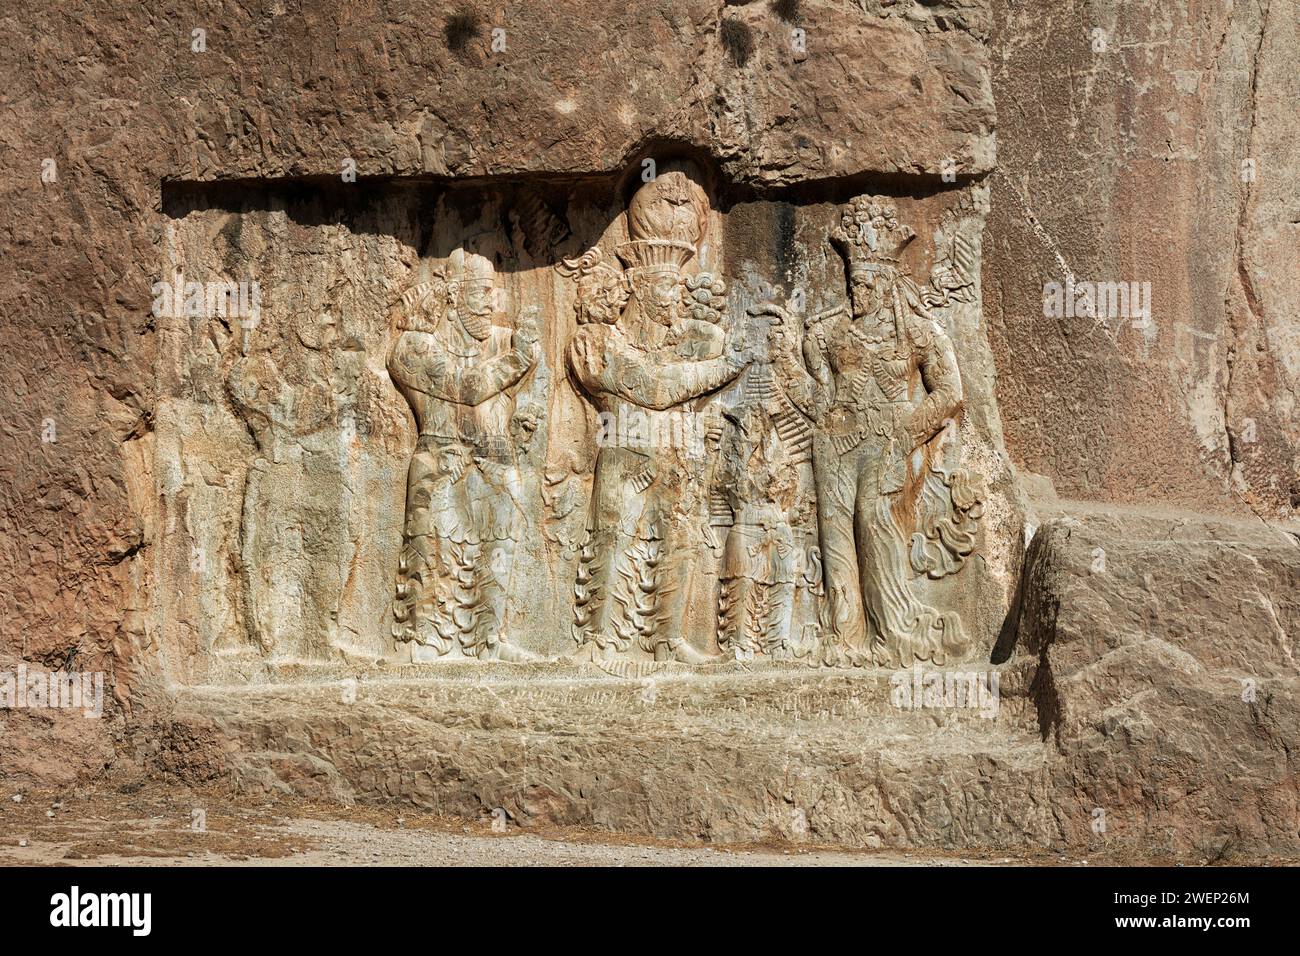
{"type": "Point", "coordinates": [658, 506]}
{"type": "Point", "coordinates": [1088, 731]}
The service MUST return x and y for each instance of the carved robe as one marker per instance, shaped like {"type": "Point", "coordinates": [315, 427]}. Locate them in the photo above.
{"type": "Point", "coordinates": [463, 515]}
{"type": "Point", "coordinates": [646, 496]}
{"type": "Point", "coordinates": [882, 391]}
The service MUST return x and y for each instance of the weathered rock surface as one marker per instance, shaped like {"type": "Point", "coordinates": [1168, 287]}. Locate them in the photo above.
{"type": "Point", "coordinates": [1149, 142]}
{"type": "Point", "coordinates": [125, 104]}
{"type": "Point", "coordinates": [132, 150]}
{"type": "Point", "coordinates": [1167, 670]}
{"type": "Point", "coordinates": [1120, 723]}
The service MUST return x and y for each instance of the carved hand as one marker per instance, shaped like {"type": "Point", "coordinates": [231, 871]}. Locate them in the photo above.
{"type": "Point", "coordinates": [737, 354]}
{"type": "Point", "coordinates": [525, 337]}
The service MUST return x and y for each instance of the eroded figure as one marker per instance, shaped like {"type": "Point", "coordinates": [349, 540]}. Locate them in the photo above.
{"type": "Point", "coordinates": [644, 359]}
{"type": "Point", "coordinates": [879, 381]}
{"type": "Point", "coordinates": [456, 362]}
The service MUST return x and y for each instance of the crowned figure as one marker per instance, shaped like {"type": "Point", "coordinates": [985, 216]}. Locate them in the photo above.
{"type": "Point", "coordinates": [642, 359]}
{"type": "Point", "coordinates": [880, 383]}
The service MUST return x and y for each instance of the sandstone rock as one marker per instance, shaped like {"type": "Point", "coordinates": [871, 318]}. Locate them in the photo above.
{"type": "Point", "coordinates": [1138, 143]}
{"type": "Point", "coordinates": [1166, 671]}
{"type": "Point", "coordinates": [212, 515]}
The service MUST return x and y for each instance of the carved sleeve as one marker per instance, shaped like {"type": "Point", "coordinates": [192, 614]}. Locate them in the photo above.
{"type": "Point", "coordinates": [603, 365]}
{"type": "Point", "coordinates": [809, 392]}
{"type": "Point", "coordinates": [480, 382]}
{"type": "Point", "coordinates": [943, 386]}
{"type": "Point", "coordinates": [440, 377]}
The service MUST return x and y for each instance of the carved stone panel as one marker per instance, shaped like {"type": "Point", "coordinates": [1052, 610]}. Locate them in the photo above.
{"type": "Point", "coordinates": [615, 423]}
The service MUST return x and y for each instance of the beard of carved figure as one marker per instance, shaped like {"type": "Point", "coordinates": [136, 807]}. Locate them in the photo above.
{"type": "Point", "coordinates": [474, 308]}
{"type": "Point", "coordinates": [659, 295]}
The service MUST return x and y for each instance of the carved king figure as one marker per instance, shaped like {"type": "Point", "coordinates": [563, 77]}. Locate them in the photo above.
{"type": "Point", "coordinates": [639, 357]}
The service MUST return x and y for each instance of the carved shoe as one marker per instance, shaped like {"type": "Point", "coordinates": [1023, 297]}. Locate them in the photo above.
{"type": "Point", "coordinates": [683, 653]}
{"type": "Point", "coordinates": [515, 654]}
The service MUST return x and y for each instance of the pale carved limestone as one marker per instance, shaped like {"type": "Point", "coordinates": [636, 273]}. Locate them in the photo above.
{"type": "Point", "coordinates": [798, 473]}
{"type": "Point", "coordinates": [879, 377]}
{"type": "Point", "coordinates": [870, 392]}
{"type": "Point", "coordinates": [454, 362]}
{"type": "Point", "coordinates": [644, 360]}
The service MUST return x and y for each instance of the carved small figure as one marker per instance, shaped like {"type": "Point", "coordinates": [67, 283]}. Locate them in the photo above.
{"type": "Point", "coordinates": [757, 484]}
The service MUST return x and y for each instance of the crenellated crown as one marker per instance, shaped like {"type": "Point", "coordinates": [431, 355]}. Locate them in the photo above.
{"type": "Point", "coordinates": [870, 236]}
{"type": "Point", "coordinates": [655, 255]}
{"type": "Point", "coordinates": [666, 217]}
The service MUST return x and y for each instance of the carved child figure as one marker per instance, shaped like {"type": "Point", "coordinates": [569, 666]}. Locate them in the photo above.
{"type": "Point", "coordinates": [756, 486]}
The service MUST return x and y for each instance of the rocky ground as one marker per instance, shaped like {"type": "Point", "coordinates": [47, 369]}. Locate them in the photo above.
{"type": "Point", "coordinates": [158, 825]}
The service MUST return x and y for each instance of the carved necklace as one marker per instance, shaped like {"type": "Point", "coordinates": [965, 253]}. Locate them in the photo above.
{"type": "Point", "coordinates": [879, 332]}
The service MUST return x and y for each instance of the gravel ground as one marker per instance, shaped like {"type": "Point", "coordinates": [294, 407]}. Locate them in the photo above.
{"type": "Point", "coordinates": [156, 825]}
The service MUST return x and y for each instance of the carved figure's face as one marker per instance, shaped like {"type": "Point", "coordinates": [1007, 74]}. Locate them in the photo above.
{"type": "Point", "coordinates": [475, 307]}
{"type": "Point", "coordinates": [866, 293]}
{"type": "Point", "coordinates": [601, 297]}
{"type": "Point", "coordinates": [660, 295]}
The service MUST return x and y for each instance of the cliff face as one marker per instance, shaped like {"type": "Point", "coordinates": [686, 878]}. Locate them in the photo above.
{"type": "Point", "coordinates": [116, 115]}
{"type": "Point", "coordinates": [1149, 143]}
{"type": "Point", "coordinates": [193, 496]}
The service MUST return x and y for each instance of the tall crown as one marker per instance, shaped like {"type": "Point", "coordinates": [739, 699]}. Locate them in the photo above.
{"type": "Point", "coordinates": [655, 255]}
{"type": "Point", "coordinates": [870, 236]}
{"type": "Point", "coordinates": [665, 219]}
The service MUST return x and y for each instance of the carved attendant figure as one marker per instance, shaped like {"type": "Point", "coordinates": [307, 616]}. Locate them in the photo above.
{"type": "Point", "coordinates": [463, 517]}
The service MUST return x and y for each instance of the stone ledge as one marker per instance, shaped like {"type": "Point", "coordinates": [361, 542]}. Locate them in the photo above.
{"type": "Point", "coordinates": [1102, 706]}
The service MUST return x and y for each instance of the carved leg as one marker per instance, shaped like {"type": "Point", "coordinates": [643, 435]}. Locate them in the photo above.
{"type": "Point", "coordinates": [839, 552]}
{"type": "Point", "coordinates": [666, 638]}
{"type": "Point", "coordinates": [777, 641]}
{"type": "Point", "coordinates": [732, 594]}
{"type": "Point", "coordinates": [494, 493]}
{"type": "Point", "coordinates": [595, 608]}
{"type": "Point", "coordinates": [421, 572]}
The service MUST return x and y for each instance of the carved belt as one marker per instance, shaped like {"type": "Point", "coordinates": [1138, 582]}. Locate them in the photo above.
{"type": "Point", "coordinates": [880, 423]}
{"type": "Point", "coordinates": [488, 447]}
{"type": "Point", "coordinates": [761, 516]}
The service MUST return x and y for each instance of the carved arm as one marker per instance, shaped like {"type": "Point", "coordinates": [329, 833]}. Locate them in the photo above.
{"type": "Point", "coordinates": [809, 390]}
{"type": "Point", "coordinates": [601, 364]}
{"type": "Point", "coordinates": [439, 378]}
{"type": "Point", "coordinates": [942, 381]}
